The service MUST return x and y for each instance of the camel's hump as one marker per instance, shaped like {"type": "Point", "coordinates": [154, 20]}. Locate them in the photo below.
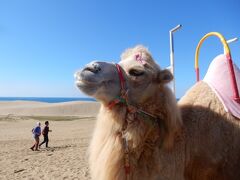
{"type": "Point", "coordinates": [218, 78]}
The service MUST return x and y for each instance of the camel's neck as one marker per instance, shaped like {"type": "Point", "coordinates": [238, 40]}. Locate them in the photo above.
{"type": "Point", "coordinates": [163, 106]}
{"type": "Point", "coordinates": [143, 139]}
{"type": "Point", "coordinates": [140, 123]}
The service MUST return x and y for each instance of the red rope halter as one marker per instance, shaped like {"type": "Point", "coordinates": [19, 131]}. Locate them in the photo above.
{"type": "Point", "coordinates": [122, 97]}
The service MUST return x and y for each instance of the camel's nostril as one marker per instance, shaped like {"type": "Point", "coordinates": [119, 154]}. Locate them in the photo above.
{"type": "Point", "coordinates": [93, 67]}
{"type": "Point", "coordinates": [96, 66]}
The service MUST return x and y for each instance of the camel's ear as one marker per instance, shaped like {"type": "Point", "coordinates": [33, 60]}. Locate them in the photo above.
{"type": "Point", "coordinates": [165, 76]}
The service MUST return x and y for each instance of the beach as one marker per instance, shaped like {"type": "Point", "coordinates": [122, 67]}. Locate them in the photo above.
{"type": "Point", "coordinates": [72, 125]}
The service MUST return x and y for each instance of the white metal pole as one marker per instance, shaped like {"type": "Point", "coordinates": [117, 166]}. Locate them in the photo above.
{"type": "Point", "coordinates": [172, 55]}
{"type": "Point", "coordinates": [232, 40]}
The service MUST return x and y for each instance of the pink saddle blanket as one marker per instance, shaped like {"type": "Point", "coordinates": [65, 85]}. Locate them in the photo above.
{"type": "Point", "coordinates": [217, 77]}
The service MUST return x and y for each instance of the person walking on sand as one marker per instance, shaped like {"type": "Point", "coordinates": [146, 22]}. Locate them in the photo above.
{"type": "Point", "coordinates": [36, 134]}
{"type": "Point", "coordinates": [45, 134]}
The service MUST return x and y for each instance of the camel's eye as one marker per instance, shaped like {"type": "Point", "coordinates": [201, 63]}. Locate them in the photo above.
{"type": "Point", "coordinates": [136, 72]}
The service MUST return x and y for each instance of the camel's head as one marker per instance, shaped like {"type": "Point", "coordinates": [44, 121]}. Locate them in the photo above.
{"type": "Point", "coordinates": [142, 77]}
{"type": "Point", "coordinates": [99, 80]}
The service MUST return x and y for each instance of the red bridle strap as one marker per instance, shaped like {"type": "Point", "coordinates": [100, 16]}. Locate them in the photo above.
{"type": "Point", "coordinates": [122, 97]}
{"type": "Point", "coordinates": [121, 78]}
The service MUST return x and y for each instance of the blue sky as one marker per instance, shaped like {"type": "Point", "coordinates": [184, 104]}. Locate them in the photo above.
{"type": "Point", "coordinates": [42, 43]}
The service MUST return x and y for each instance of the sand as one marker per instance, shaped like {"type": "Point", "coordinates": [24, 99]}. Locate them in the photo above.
{"type": "Point", "coordinates": [66, 158]}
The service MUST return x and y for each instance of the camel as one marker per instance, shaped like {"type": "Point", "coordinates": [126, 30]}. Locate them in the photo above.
{"type": "Point", "coordinates": [142, 133]}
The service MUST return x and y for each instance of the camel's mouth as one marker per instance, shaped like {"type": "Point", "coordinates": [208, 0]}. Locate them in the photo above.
{"type": "Point", "coordinates": [83, 82]}
{"type": "Point", "coordinates": [87, 87]}
{"type": "Point", "coordinates": [86, 78]}
{"type": "Point", "coordinates": [88, 81]}
{"type": "Point", "coordinates": [95, 74]}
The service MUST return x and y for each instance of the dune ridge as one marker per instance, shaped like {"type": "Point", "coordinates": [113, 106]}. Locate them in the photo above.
{"type": "Point", "coordinates": [31, 108]}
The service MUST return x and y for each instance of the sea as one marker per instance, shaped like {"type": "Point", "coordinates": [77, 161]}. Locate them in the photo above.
{"type": "Point", "coordinates": [46, 99]}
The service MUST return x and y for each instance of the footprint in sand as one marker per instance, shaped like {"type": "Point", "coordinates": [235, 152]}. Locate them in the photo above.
{"type": "Point", "coordinates": [20, 170]}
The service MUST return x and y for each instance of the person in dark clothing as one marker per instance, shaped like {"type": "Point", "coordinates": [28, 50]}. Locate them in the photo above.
{"type": "Point", "coordinates": [45, 134]}
{"type": "Point", "coordinates": [36, 134]}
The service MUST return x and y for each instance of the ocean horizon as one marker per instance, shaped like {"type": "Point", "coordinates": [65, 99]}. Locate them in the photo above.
{"type": "Point", "coordinates": [47, 99]}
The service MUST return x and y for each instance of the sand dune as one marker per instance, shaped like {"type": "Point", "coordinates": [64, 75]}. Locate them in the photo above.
{"type": "Point", "coordinates": [67, 156]}
{"type": "Point", "coordinates": [29, 108]}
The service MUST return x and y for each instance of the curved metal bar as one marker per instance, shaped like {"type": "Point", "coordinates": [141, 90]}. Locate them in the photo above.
{"type": "Point", "coordinates": [229, 58]}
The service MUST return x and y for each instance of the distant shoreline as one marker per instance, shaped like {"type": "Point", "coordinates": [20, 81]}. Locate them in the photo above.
{"type": "Point", "coordinates": [46, 99]}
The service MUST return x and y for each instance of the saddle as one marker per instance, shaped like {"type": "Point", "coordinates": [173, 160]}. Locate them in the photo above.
{"type": "Point", "coordinates": [217, 77]}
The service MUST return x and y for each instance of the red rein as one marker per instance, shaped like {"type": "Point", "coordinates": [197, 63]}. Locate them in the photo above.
{"type": "Point", "coordinates": [122, 90]}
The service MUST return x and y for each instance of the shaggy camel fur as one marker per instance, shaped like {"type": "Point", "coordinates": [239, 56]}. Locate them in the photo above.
{"type": "Point", "coordinates": [204, 146]}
